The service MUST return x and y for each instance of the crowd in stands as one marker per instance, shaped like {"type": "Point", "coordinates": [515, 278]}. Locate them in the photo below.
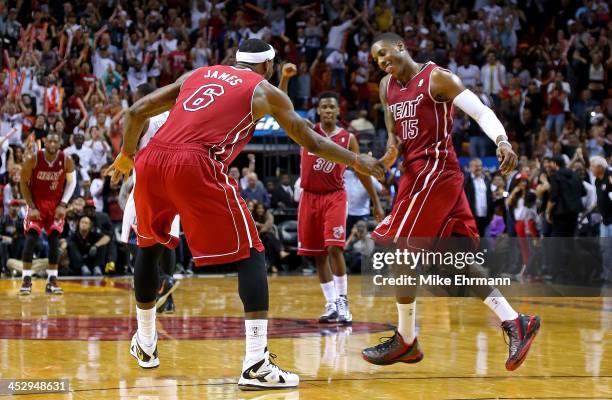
{"type": "Point", "coordinates": [543, 66]}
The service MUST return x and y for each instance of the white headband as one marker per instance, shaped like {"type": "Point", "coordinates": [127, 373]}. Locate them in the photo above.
{"type": "Point", "coordinates": [255, 58]}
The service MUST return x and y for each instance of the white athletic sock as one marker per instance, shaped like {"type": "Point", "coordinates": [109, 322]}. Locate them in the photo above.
{"type": "Point", "coordinates": [256, 331]}
{"type": "Point", "coordinates": [329, 291]}
{"type": "Point", "coordinates": [26, 272]}
{"type": "Point", "coordinates": [341, 284]}
{"type": "Point", "coordinates": [500, 306]}
{"type": "Point", "coordinates": [146, 325]}
{"type": "Point", "coordinates": [51, 272]}
{"type": "Point", "coordinates": [406, 325]}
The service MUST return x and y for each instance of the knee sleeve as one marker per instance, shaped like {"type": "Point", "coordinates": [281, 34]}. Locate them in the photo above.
{"type": "Point", "coordinates": [168, 262]}
{"type": "Point", "coordinates": [53, 248]}
{"type": "Point", "coordinates": [146, 275]}
{"type": "Point", "coordinates": [30, 244]}
{"type": "Point", "coordinates": [253, 282]}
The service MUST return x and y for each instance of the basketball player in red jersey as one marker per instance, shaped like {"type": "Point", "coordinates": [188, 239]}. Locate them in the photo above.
{"type": "Point", "coordinates": [183, 170]}
{"type": "Point", "coordinates": [418, 100]}
{"type": "Point", "coordinates": [322, 211]}
{"type": "Point", "coordinates": [47, 182]}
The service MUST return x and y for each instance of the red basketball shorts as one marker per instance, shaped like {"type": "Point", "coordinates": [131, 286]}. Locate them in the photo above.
{"type": "Point", "coordinates": [47, 220]}
{"type": "Point", "coordinates": [321, 222]}
{"type": "Point", "coordinates": [429, 203]}
{"type": "Point", "coordinates": [184, 179]}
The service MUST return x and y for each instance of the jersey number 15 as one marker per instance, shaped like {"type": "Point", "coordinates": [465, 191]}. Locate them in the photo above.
{"type": "Point", "coordinates": [410, 130]}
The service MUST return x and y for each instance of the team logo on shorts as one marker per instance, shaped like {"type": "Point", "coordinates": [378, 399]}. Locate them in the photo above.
{"type": "Point", "coordinates": [338, 232]}
{"type": "Point", "coordinates": [386, 221]}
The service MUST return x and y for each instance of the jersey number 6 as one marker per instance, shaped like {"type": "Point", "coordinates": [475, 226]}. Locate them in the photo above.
{"type": "Point", "coordinates": [203, 97]}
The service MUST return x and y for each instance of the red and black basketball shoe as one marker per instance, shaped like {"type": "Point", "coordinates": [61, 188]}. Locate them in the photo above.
{"type": "Point", "coordinates": [393, 350]}
{"type": "Point", "coordinates": [521, 332]}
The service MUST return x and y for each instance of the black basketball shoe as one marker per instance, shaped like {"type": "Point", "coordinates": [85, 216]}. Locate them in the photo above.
{"type": "Point", "coordinates": [521, 332]}
{"type": "Point", "coordinates": [394, 349]}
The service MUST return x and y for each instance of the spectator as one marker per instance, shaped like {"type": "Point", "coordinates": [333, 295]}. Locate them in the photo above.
{"type": "Point", "coordinates": [282, 196]}
{"type": "Point", "coordinates": [361, 125]}
{"type": "Point", "coordinates": [359, 246]}
{"type": "Point", "coordinates": [521, 203]}
{"type": "Point", "coordinates": [517, 71]}
{"type": "Point", "coordinates": [468, 72]}
{"type": "Point", "coordinates": [556, 114]}
{"type": "Point", "coordinates": [477, 188]}
{"type": "Point", "coordinates": [564, 205]}
{"type": "Point", "coordinates": [101, 151]}
{"type": "Point", "coordinates": [246, 171]}
{"type": "Point", "coordinates": [493, 77]}
{"type": "Point", "coordinates": [264, 222]}
{"type": "Point", "coordinates": [103, 225]}
{"type": "Point", "coordinates": [603, 185]}
{"type": "Point", "coordinates": [11, 191]}
{"type": "Point", "coordinates": [255, 191]}
{"type": "Point", "coordinates": [86, 252]}
{"type": "Point", "coordinates": [358, 198]}
{"type": "Point", "coordinates": [85, 153]}
{"type": "Point", "coordinates": [11, 232]}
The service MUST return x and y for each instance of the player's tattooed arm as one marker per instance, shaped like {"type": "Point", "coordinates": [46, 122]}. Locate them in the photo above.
{"type": "Point", "coordinates": [447, 87]}
{"type": "Point", "coordinates": [368, 185]}
{"type": "Point", "coordinates": [268, 99]}
{"type": "Point", "coordinates": [392, 143]}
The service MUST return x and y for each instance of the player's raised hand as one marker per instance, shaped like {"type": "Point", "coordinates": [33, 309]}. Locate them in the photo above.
{"type": "Point", "coordinates": [289, 70]}
{"type": "Point", "coordinates": [368, 165]}
{"type": "Point", "coordinates": [120, 168]}
{"type": "Point", "coordinates": [507, 157]}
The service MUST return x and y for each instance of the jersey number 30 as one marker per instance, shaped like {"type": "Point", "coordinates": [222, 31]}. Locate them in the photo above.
{"type": "Point", "coordinates": [203, 97]}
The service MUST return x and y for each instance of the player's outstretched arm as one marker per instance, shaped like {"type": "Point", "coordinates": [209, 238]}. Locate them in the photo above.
{"type": "Point", "coordinates": [392, 143]}
{"type": "Point", "coordinates": [270, 100]}
{"type": "Point", "coordinates": [447, 87]}
{"type": "Point", "coordinates": [136, 116]}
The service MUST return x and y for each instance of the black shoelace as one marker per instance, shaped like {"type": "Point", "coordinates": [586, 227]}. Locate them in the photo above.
{"type": "Point", "coordinates": [385, 343]}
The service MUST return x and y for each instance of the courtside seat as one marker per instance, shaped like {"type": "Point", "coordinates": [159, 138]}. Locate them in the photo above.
{"type": "Point", "coordinates": [288, 235]}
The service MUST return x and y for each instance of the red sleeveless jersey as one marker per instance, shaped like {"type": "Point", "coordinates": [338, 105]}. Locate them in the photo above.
{"type": "Point", "coordinates": [422, 124]}
{"type": "Point", "coordinates": [213, 109]}
{"type": "Point", "coordinates": [47, 181]}
{"type": "Point", "coordinates": [319, 175]}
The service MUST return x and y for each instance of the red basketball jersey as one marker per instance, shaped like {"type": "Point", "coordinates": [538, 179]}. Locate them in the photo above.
{"type": "Point", "coordinates": [319, 175]}
{"type": "Point", "coordinates": [422, 124]}
{"type": "Point", "coordinates": [213, 109]}
{"type": "Point", "coordinates": [47, 181]}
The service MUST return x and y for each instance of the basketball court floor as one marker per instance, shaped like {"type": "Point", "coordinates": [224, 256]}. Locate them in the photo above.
{"type": "Point", "coordinates": [84, 336]}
